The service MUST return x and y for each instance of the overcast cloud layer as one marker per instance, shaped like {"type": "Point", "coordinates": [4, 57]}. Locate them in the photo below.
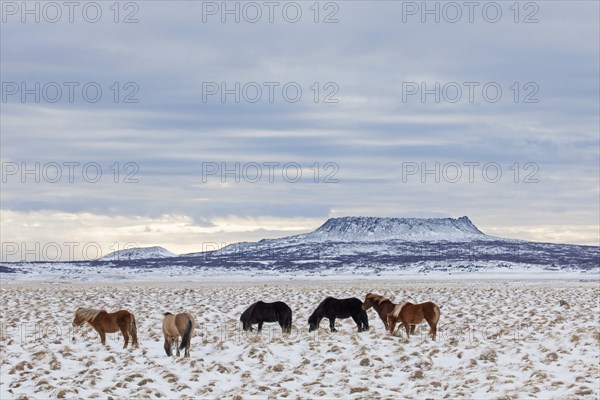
{"type": "Point", "coordinates": [361, 146]}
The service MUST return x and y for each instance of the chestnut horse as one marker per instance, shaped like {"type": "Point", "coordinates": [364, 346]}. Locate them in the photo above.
{"type": "Point", "coordinates": [383, 306]}
{"type": "Point", "coordinates": [104, 323]}
{"type": "Point", "coordinates": [408, 313]}
{"type": "Point", "coordinates": [174, 326]}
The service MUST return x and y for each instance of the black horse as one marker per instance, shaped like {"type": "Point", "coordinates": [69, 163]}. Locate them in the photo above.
{"type": "Point", "coordinates": [332, 308]}
{"type": "Point", "coordinates": [260, 312]}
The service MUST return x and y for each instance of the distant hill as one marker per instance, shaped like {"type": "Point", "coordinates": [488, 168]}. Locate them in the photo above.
{"type": "Point", "coordinates": [138, 253]}
{"type": "Point", "coordinates": [346, 246]}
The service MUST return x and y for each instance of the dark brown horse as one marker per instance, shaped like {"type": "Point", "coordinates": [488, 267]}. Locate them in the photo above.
{"type": "Point", "coordinates": [332, 308]}
{"type": "Point", "coordinates": [174, 326]}
{"type": "Point", "coordinates": [382, 305]}
{"type": "Point", "coordinates": [104, 323]}
{"type": "Point", "coordinates": [408, 313]}
{"type": "Point", "coordinates": [261, 312]}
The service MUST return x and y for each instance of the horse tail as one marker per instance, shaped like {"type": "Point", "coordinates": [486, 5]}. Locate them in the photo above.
{"type": "Point", "coordinates": [132, 325]}
{"type": "Point", "coordinates": [186, 336]}
{"type": "Point", "coordinates": [436, 313]}
{"type": "Point", "coordinates": [133, 330]}
{"type": "Point", "coordinates": [287, 321]}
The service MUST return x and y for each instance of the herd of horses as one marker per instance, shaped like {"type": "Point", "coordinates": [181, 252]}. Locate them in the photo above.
{"type": "Point", "coordinates": [183, 325]}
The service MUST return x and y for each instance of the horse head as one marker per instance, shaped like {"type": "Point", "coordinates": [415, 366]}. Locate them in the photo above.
{"type": "Point", "coordinates": [313, 323]}
{"type": "Point", "coordinates": [246, 326]}
{"type": "Point", "coordinates": [368, 303]}
{"type": "Point", "coordinates": [78, 320]}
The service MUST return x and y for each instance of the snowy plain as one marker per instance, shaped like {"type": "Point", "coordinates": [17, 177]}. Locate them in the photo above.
{"type": "Point", "coordinates": [499, 338]}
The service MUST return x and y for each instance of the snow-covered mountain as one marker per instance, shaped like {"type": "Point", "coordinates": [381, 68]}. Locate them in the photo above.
{"type": "Point", "coordinates": [347, 246]}
{"type": "Point", "coordinates": [365, 244]}
{"type": "Point", "coordinates": [138, 253]}
{"type": "Point", "coordinates": [367, 231]}
{"type": "Point", "coordinates": [411, 229]}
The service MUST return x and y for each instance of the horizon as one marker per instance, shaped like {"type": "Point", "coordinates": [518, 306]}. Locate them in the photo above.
{"type": "Point", "coordinates": [348, 216]}
{"type": "Point", "coordinates": [208, 247]}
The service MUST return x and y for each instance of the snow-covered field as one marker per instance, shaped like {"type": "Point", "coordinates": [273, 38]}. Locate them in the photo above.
{"type": "Point", "coordinates": [497, 339]}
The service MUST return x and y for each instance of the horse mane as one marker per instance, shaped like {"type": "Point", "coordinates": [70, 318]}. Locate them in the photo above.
{"type": "Point", "coordinates": [88, 314]}
{"type": "Point", "coordinates": [167, 313]}
{"type": "Point", "coordinates": [378, 298]}
{"type": "Point", "coordinates": [318, 313]}
{"type": "Point", "coordinates": [398, 309]}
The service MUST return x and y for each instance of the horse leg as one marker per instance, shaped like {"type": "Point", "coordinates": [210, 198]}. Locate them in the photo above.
{"type": "Point", "coordinates": [125, 336]}
{"type": "Point", "coordinates": [332, 324]}
{"type": "Point", "coordinates": [134, 339]}
{"type": "Point", "coordinates": [356, 319]}
{"type": "Point", "coordinates": [412, 329]}
{"type": "Point", "coordinates": [407, 329]}
{"type": "Point", "coordinates": [391, 324]}
{"type": "Point", "coordinates": [168, 346]}
{"type": "Point", "coordinates": [432, 329]}
{"type": "Point", "coordinates": [189, 341]}
{"type": "Point", "coordinates": [176, 338]}
{"type": "Point", "coordinates": [364, 318]}
{"type": "Point", "coordinates": [102, 337]}
{"type": "Point", "coordinates": [260, 324]}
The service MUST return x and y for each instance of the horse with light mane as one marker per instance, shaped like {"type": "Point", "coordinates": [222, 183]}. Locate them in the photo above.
{"type": "Point", "coordinates": [408, 313]}
{"type": "Point", "coordinates": [381, 304]}
{"type": "Point", "coordinates": [104, 322]}
{"type": "Point", "coordinates": [173, 326]}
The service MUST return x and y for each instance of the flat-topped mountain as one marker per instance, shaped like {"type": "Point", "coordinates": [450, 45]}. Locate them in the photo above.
{"type": "Point", "coordinates": [365, 230]}
{"type": "Point", "coordinates": [413, 229]}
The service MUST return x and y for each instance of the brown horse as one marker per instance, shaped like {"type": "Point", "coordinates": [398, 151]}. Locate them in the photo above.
{"type": "Point", "coordinates": [104, 323]}
{"type": "Point", "coordinates": [174, 326]}
{"type": "Point", "coordinates": [408, 313]}
{"type": "Point", "coordinates": [382, 305]}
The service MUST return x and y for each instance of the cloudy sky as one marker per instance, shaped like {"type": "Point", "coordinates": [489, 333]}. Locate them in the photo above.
{"type": "Point", "coordinates": [194, 124]}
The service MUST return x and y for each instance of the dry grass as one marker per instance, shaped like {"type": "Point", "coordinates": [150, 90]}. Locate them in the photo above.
{"type": "Point", "coordinates": [486, 346]}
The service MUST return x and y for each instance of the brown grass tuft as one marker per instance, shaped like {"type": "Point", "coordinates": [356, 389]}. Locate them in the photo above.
{"type": "Point", "coordinates": [145, 381]}
{"type": "Point", "coordinates": [278, 368]}
{"type": "Point", "coordinates": [584, 391]}
{"type": "Point", "coordinates": [418, 374]}
{"type": "Point", "coordinates": [489, 355]}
